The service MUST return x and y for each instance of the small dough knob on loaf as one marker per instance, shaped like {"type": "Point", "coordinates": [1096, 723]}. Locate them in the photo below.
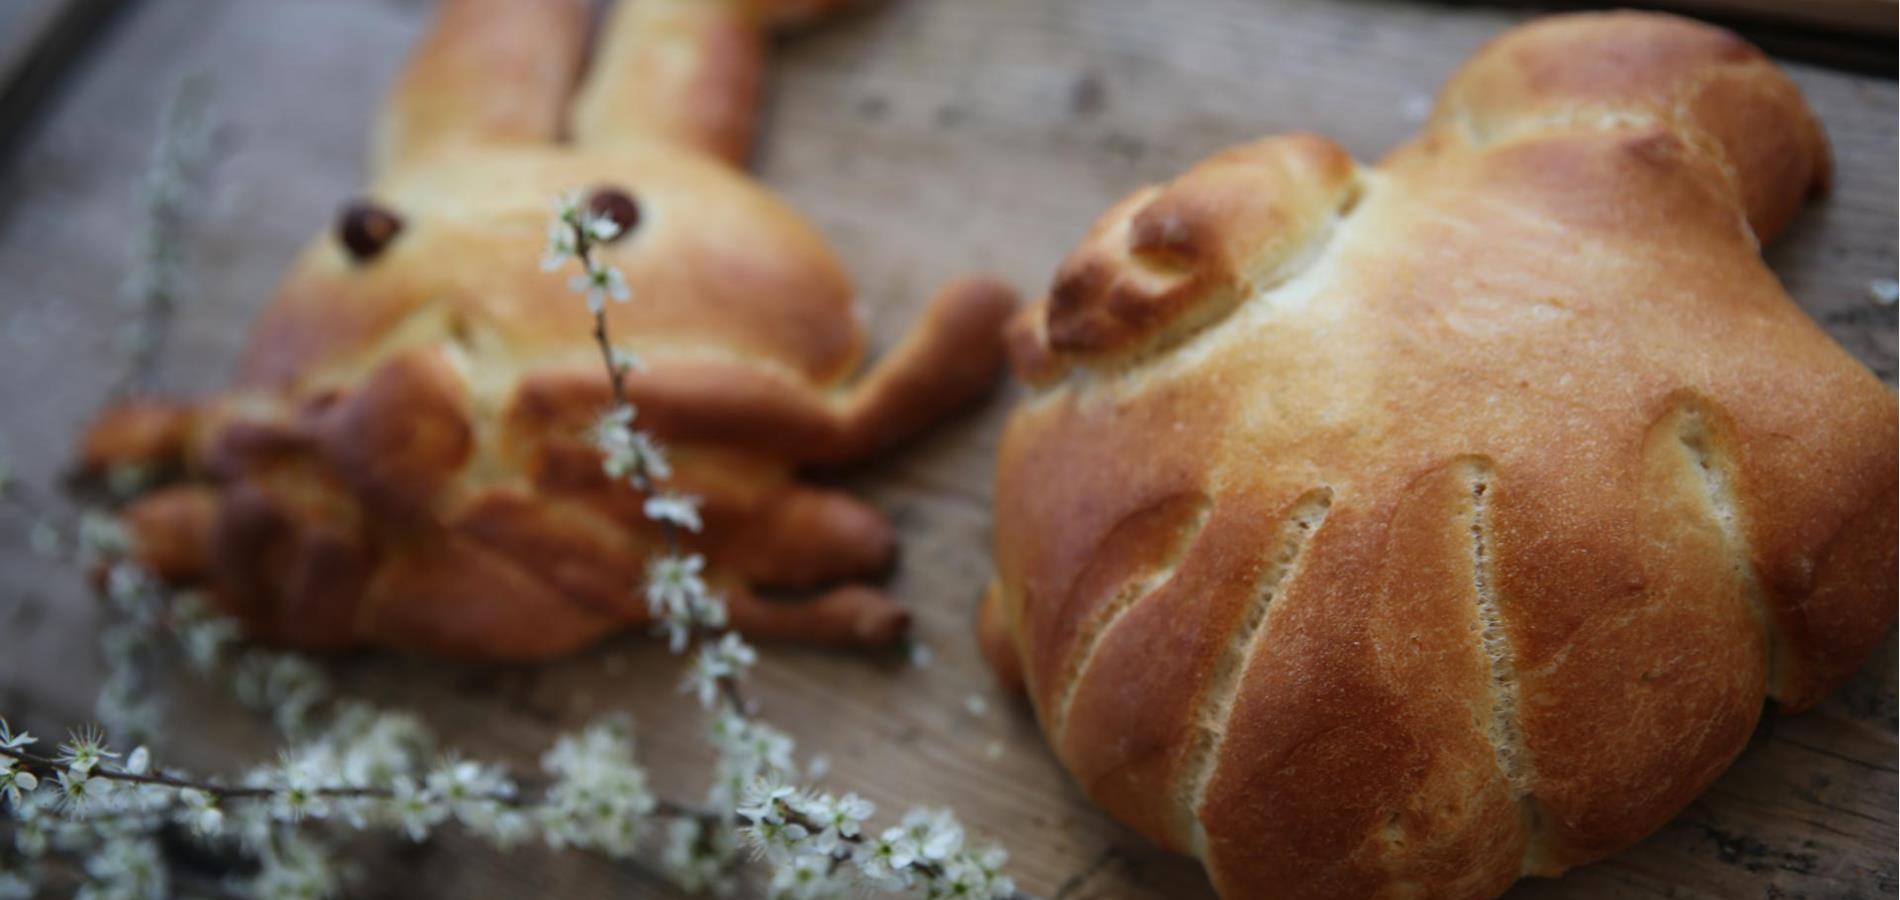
{"type": "Point", "coordinates": [1172, 259]}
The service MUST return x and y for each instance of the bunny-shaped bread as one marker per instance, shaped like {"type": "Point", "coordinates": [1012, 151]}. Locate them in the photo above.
{"type": "Point", "coordinates": [1401, 531]}
{"type": "Point", "coordinates": [404, 458]}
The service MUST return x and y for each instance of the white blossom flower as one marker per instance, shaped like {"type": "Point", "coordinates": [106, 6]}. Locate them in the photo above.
{"type": "Point", "coordinates": [674, 508]}
{"type": "Point", "coordinates": [990, 861]}
{"type": "Point", "coordinates": [598, 283]}
{"type": "Point", "coordinates": [626, 452]}
{"type": "Point", "coordinates": [296, 782]}
{"type": "Point", "coordinates": [648, 460]}
{"type": "Point", "coordinates": [200, 812]}
{"type": "Point", "coordinates": [599, 227]}
{"type": "Point", "coordinates": [612, 432]}
{"type": "Point", "coordinates": [803, 877]}
{"type": "Point", "coordinates": [624, 360]}
{"type": "Point", "coordinates": [697, 858]}
{"type": "Point", "coordinates": [599, 799]}
{"type": "Point", "coordinates": [747, 750]}
{"type": "Point", "coordinates": [78, 795]}
{"type": "Point", "coordinates": [20, 885]}
{"type": "Point", "coordinates": [283, 684]}
{"type": "Point", "coordinates": [471, 790]}
{"type": "Point", "coordinates": [205, 641]}
{"type": "Point", "coordinates": [567, 207]}
{"type": "Point", "coordinates": [15, 781]}
{"type": "Point", "coordinates": [671, 578]}
{"type": "Point", "coordinates": [367, 746]}
{"type": "Point", "coordinates": [130, 586]}
{"type": "Point", "coordinates": [11, 741]}
{"type": "Point", "coordinates": [30, 836]}
{"type": "Point", "coordinates": [728, 657]}
{"type": "Point", "coordinates": [777, 841]}
{"type": "Point", "coordinates": [765, 798]}
{"type": "Point", "coordinates": [506, 829]}
{"type": "Point", "coordinates": [101, 538]}
{"type": "Point", "coordinates": [126, 867]}
{"type": "Point", "coordinates": [84, 750]}
{"type": "Point", "coordinates": [957, 878]}
{"type": "Point", "coordinates": [294, 869]}
{"type": "Point", "coordinates": [415, 809]}
{"type": "Point", "coordinates": [974, 875]}
{"type": "Point", "coordinates": [560, 246]}
{"type": "Point", "coordinates": [678, 598]}
{"type": "Point", "coordinates": [935, 831]}
{"type": "Point", "coordinates": [885, 862]}
{"type": "Point", "coordinates": [841, 818]}
{"type": "Point", "coordinates": [250, 824]}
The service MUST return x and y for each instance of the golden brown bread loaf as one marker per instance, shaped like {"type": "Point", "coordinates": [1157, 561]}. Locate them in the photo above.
{"type": "Point", "coordinates": [404, 459]}
{"type": "Point", "coordinates": [1401, 531]}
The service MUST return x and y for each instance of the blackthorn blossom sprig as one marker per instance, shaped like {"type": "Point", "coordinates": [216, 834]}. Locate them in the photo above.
{"type": "Point", "coordinates": [350, 766]}
{"type": "Point", "coordinates": [814, 841]}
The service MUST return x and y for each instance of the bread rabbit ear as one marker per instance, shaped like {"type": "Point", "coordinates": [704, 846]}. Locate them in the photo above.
{"type": "Point", "coordinates": [1168, 261]}
{"type": "Point", "coordinates": [1723, 97]}
{"type": "Point", "coordinates": [488, 71]}
{"type": "Point", "coordinates": [685, 72]}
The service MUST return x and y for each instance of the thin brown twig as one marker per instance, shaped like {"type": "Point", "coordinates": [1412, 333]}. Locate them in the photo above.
{"type": "Point", "coordinates": [584, 245]}
{"type": "Point", "coordinates": [48, 767]}
{"type": "Point", "coordinates": [729, 688]}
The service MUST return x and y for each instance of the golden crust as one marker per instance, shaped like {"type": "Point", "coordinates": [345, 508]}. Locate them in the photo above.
{"type": "Point", "coordinates": [691, 76]}
{"type": "Point", "coordinates": [719, 266]}
{"type": "Point", "coordinates": [404, 459]}
{"type": "Point", "coordinates": [490, 71]}
{"type": "Point", "coordinates": [1170, 259]}
{"type": "Point", "coordinates": [1468, 543]}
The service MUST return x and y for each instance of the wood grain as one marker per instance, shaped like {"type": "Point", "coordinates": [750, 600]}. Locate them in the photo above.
{"type": "Point", "coordinates": [925, 137]}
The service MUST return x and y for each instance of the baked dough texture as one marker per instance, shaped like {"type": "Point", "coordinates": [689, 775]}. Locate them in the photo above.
{"type": "Point", "coordinates": [1402, 531]}
{"type": "Point", "coordinates": [404, 459]}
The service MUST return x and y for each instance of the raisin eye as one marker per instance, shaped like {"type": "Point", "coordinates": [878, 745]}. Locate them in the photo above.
{"type": "Point", "coordinates": [365, 229]}
{"type": "Point", "coordinates": [616, 205]}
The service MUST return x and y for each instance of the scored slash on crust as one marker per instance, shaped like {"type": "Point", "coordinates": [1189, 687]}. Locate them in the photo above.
{"type": "Point", "coordinates": [1137, 587]}
{"type": "Point", "coordinates": [1698, 438]}
{"type": "Point", "coordinates": [1504, 730]}
{"type": "Point", "coordinates": [1303, 520]}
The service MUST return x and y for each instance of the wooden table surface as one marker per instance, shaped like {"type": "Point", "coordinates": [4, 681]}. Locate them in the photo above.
{"type": "Point", "coordinates": [926, 137]}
